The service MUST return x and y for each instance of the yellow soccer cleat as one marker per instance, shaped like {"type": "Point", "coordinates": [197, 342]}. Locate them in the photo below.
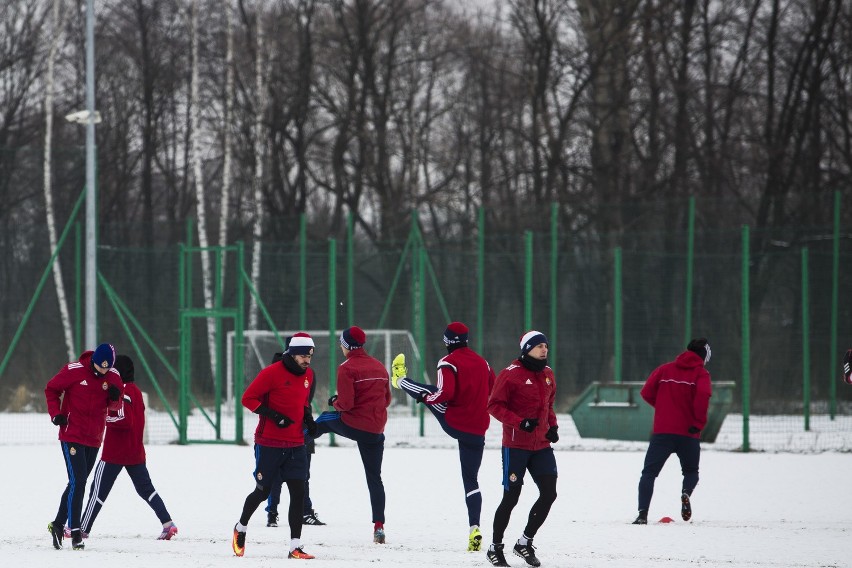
{"type": "Point", "coordinates": [398, 370]}
{"type": "Point", "coordinates": [474, 541]}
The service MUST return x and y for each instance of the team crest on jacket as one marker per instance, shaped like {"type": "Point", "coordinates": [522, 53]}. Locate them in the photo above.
{"type": "Point", "coordinates": [105, 386]}
{"type": "Point", "coordinates": [259, 476]}
{"type": "Point", "coordinates": [547, 380]}
{"type": "Point", "coordinates": [306, 383]}
{"type": "Point", "coordinates": [513, 478]}
{"type": "Point", "coordinates": [72, 450]}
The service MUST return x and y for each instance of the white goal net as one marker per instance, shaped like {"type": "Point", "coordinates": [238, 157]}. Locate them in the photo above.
{"type": "Point", "coordinates": [259, 346]}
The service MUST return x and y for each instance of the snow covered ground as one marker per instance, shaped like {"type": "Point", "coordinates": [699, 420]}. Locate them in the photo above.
{"type": "Point", "coordinates": [761, 510]}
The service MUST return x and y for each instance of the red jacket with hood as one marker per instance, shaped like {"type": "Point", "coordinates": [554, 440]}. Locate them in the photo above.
{"type": "Point", "coordinates": [680, 393]}
{"type": "Point", "coordinates": [80, 393]}
{"type": "Point", "coordinates": [520, 393]}
{"type": "Point", "coordinates": [363, 392]}
{"type": "Point", "coordinates": [124, 429]}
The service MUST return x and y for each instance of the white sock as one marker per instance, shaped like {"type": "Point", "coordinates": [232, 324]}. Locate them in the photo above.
{"type": "Point", "coordinates": [295, 543]}
{"type": "Point", "coordinates": [523, 541]}
{"type": "Point", "coordinates": [473, 527]}
{"type": "Point", "coordinates": [240, 528]}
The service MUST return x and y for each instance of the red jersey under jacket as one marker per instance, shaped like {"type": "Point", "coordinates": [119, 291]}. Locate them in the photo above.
{"type": "Point", "coordinates": [464, 382]}
{"type": "Point", "coordinates": [124, 429]}
{"type": "Point", "coordinates": [520, 393]}
{"type": "Point", "coordinates": [282, 391]}
{"type": "Point", "coordinates": [363, 392]}
{"type": "Point", "coordinates": [680, 393]}
{"type": "Point", "coordinates": [85, 400]}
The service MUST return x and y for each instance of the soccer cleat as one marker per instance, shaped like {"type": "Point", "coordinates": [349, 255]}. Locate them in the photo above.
{"type": "Point", "coordinates": [272, 519]}
{"type": "Point", "coordinates": [474, 541]}
{"type": "Point", "coordinates": [379, 536]}
{"type": "Point", "coordinates": [398, 370]}
{"type": "Point", "coordinates": [169, 530]}
{"type": "Point", "coordinates": [77, 541]}
{"type": "Point", "coordinates": [527, 552]}
{"type": "Point", "coordinates": [68, 533]}
{"type": "Point", "coordinates": [685, 507]}
{"type": "Point", "coordinates": [642, 518]}
{"type": "Point", "coordinates": [300, 554]}
{"type": "Point", "coordinates": [312, 519]}
{"type": "Point", "coordinates": [56, 533]}
{"type": "Point", "coordinates": [495, 555]}
{"type": "Point", "coordinates": [239, 542]}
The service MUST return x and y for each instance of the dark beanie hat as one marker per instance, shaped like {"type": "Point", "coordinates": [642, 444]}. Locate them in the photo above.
{"type": "Point", "coordinates": [456, 332]}
{"type": "Point", "coordinates": [530, 339]}
{"type": "Point", "coordinates": [701, 348]}
{"type": "Point", "coordinates": [104, 356]}
{"type": "Point", "coordinates": [300, 344]}
{"type": "Point", "coordinates": [353, 337]}
{"type": "Point", "coordinates": [124, 366]}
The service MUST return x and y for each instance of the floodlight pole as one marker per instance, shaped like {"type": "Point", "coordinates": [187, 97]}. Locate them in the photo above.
{"type": "Point", "coordinates": [91, 190]}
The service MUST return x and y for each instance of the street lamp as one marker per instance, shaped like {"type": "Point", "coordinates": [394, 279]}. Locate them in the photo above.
{"type": "Point", "coordinates": [90, 117]}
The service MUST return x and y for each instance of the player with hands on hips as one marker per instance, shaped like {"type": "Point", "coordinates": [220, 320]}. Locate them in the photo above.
{"type": "Point", "coordinates": [522, 400]}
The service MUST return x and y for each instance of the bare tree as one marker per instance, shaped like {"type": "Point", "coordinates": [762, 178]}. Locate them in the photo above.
{"type": "Point", "coordinates": [56, 24]}
{"type": "Point", "coordinates": [198, 176]}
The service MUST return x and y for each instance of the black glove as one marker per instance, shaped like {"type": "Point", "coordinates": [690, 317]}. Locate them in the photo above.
{"type": "Point", "coordinates": [693, 430]}
{"type": "Point", "coordinates": [551, 435]}
{"type": "Point", "coordinates": [59, 420]}
{"type": "Point", "coordinates": [421, 397]}
{"type": "Point", "coordinates": [529, 424]}
{"type": "Point", "coordinates": [310, 423]}
{"type": "Point", "coordinates": [113, 392]}
{"type": "Point", "coordinates": [331, 400]}
{"type": "Point", "coordinates": [280, 420]}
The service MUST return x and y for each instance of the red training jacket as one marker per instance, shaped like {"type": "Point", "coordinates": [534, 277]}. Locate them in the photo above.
{"type": "Point", "coordinates": [518, 394]}
{"type": "Point", "coordinates": [680, 393]}
{"type": "Point", "coordinates": [363, 392]}
{"type": "Point", "coordinates": [84, 400]}
{"type": "Point", "coordinates": [124, 429]}
{"type": "Point", "coordinates": [464, 382]}
{"type": "Point", "coordinates": [282, 391]}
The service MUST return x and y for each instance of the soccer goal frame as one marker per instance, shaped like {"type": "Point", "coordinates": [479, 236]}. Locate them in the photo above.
{"type": "Point", "coordinates": [258, 347]}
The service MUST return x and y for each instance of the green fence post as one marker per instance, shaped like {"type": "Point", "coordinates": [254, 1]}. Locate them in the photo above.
{"type": "Point", "coordinates": [552, 333]}
{"type": "Point", "coordinates": [835, 285]}
{"type": "Point", "coordinates": [420, 322]}
{"type": "Point", "coordinates": [303, 270]}
{"type": "Point", "coordinates": [690, 263]}
{"type": "Point", "coordinates": [350, 270]}
{"type": "Point", "coordinates": [617, 316]}
{"type": "Point", "coordinates": [480, 278]}
{"type": "Point", "coordinates": [78, 287]}
{"type": "Point", "coordinates": [332, 322]}
{"type": "Point", "coordinates": [806, 349]}
{"type": "Point", "coordinates": [528, 279]}
{"type": "Point", "coordinates": [746, 338]}
{"type": "Point", "coordinates": [239, 349]}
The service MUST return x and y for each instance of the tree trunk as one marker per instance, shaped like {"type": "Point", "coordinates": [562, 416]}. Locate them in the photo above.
{"type": "Point", "coordinates": [48, 196]}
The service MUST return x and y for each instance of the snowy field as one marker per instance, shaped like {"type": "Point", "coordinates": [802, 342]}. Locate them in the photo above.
{"type": "Point", "coordinates": [761, 510]}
